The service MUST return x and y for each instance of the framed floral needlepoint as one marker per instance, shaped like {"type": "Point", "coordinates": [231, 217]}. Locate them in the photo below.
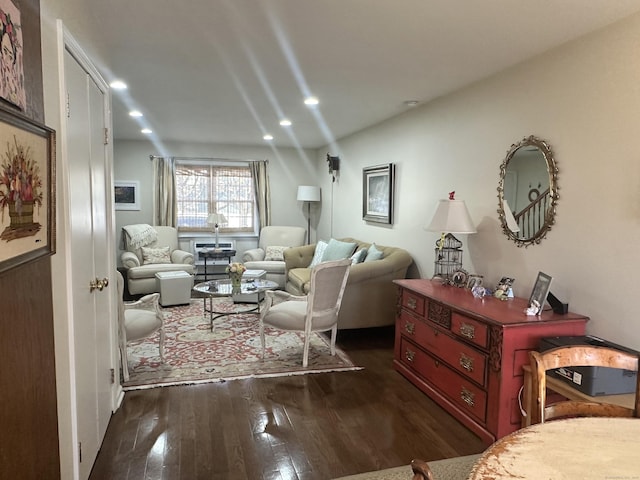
{"type": "Point", "coordinates": [27, 190]}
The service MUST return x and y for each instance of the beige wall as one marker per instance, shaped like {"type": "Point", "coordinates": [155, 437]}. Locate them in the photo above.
{"type": "Point", "coordinates": [584, 99]}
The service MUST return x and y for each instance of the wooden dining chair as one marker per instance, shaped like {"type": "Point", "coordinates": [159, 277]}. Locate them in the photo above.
{"type": "Point", "coordinates": [579, 356]}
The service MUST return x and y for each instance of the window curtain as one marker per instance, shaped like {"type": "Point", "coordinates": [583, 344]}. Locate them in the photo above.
{"type": "Point", "coordinates": [262, 191]}
{"type": "Point", "coordinates": [165, 211]}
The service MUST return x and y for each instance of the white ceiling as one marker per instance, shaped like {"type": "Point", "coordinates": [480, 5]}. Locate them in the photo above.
{"type": "Point", "coordinates": [226, 71]}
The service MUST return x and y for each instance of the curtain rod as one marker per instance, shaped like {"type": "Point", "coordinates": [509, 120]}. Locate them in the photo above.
{"type": "Point", "coordinates": [153, 157]}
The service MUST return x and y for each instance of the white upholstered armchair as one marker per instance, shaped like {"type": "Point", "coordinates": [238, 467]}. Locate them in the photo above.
{"type": "Point", "coordinates": [150, 250]}
{"type": "Point", "coordinates": [268, 256]}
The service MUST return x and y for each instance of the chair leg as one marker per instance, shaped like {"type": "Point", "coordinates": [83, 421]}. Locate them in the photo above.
{"type": "Point", "coordinates": [334, 334]}
{"type": "Point", "coordinates": [305, 354]}
{"type": "Point", "coordinates": [262, 339]}
{"type": "Point", "coordinates": [125, 363]}
{"type": "Point", "coordinates": [161, 346]}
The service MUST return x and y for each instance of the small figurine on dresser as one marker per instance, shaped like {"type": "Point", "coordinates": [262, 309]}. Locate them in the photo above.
{"type": "Point", "coordinates": [504, 289]}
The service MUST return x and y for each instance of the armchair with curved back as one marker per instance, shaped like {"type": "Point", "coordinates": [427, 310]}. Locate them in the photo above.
{"type": "Point", "coordinates": [137, 320]}
{"type": "Point", "coordinates": [161, 253]}
{"type": "Point", "coordinates": [268, 256]}
{"type": "Point", "coordinates": [578, 356]}
{"type": "Point", "coordinates": [315, 312]}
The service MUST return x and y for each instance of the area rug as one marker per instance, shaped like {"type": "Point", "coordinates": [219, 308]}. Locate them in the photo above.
{"type": "Point", "coordinates": [195, 354]}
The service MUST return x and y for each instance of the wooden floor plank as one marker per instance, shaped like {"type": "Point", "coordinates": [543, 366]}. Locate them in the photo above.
{"type": "Point", "coordinates": [309, 427]}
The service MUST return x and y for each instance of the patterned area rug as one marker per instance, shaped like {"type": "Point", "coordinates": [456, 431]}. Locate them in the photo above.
{"type": "Point", "coordinates": [195, 354]}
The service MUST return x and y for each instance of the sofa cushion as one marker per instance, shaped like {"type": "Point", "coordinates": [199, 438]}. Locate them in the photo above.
{"type": "Point", "coordinates": [337, 250]}
{"type": "Point", "coordinates": [155, 255]}
{"type": "Point", "coordinates": [267, 266]}
{"type": "Point", "coordinates": [274, 253]}
{"type": "Point", "coordinates": [373, 254]}
{"type": "Point", "coordinates": [359, 256]}
{"type": "Point", "coordinates": [321, 246]}
{"type": "Point", "coordinates": [300, 278]}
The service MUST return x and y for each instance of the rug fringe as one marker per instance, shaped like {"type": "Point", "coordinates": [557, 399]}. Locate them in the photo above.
{"type": "Point", "coordinates": [239, 377]}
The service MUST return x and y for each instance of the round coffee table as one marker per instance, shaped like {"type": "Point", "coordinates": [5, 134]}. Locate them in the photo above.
{"type": "Point", "coordinates": [223, 288]}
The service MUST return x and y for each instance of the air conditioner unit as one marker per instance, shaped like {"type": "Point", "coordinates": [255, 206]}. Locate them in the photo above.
{"type": "Point", "coordinates": [210, 243]}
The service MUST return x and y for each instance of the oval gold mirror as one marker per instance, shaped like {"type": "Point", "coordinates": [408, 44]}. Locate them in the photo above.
{"type": "Point", "coordinates": [528, 191]}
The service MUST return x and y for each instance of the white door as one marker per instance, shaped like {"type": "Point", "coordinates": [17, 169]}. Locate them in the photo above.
{"type": "Point", "coordinates": [87, 161]}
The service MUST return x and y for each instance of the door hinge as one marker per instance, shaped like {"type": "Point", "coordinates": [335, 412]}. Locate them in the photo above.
{"type": "Point", "coordinates": [68, 106]}
{"type": "Point", "coordinates": [80, 452]}
{"type": "Point", "coordinates": [106, 136]}
{"type": "Point", "coordinates": [113, 376]}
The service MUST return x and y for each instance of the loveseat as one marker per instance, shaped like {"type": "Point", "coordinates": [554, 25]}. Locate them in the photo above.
{"type": "Point", "coordinates": [370, 295]}
{"type": "Point", "coordinates": [157, 252]}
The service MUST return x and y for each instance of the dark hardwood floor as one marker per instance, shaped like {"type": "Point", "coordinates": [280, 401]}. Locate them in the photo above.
{"type": "Point", "coordinates": [311, 427]}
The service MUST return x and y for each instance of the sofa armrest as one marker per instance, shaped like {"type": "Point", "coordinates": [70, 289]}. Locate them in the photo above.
{"type": "Point", "coordinates": [129, 260]}
{"type": "Point", "coordinates": [253, 255]}
{"type": "Point", "coordinates": [180, 256]}
{"type": "Point", "coordinates": [298, 257]}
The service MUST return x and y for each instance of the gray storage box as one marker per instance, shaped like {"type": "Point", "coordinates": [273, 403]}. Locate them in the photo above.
{"type": "Point", "coordinates": [593, 381]}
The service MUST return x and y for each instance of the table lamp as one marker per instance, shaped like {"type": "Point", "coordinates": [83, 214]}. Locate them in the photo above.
{"type": "Point", "coordinates": [308, 193]}
{"type": "Point", "coordinates": [215, 220]}
{"type": "Point", "coordinates": [451, 217]}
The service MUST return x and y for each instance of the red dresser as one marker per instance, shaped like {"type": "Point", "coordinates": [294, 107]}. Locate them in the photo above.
{"type": "Point", "coordinates": [467, 353]}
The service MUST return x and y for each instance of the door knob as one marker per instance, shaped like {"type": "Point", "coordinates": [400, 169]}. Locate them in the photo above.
{"type": "Point", "coordinates": [97, 284]}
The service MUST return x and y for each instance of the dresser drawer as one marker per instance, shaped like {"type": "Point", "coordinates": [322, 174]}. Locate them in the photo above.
{"type": "Point", "coordinates": [462, 357]}
{"type": "Point", "coordinates": [413, 302]}
{"type": "Point", "coordinates": [458, 389]}
{"type": "Point", "coordinates": [470, 329]}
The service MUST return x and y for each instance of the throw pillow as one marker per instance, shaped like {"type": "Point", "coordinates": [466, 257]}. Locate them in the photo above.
{"type": "Point", "coordinates": [373, 254]}
{"type": "Point", "coordinates": [155, 255]}
{"type": "Point", "coordinates": [317, 255]}
{"type": "Point", "coordinates": [359, 256]}
{"type": "Point", "coordinates": [275, 254]}
{"type": "Point", "coordinates": [337, 250]}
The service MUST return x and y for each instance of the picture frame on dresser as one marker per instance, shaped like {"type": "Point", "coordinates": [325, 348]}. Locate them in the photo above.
{"type": "Point", "coordinates": [540, 292]}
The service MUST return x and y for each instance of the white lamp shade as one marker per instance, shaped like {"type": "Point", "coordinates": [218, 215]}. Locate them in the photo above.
{"type": "Point", "coordinates": [308, 193]}
{"type": "Point", "coordinates": [216, 219]}
{"type": "Point", "coordinates": [451, 216]}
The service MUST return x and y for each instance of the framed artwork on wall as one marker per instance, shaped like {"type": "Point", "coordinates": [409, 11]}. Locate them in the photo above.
{"type": "Point", "coordinates": [377, 193]}
{"type": "Point", "coordinates": [27, 190]}
{"type": "Point", "coordinates": [127, 195]}
{"type": "Point", "coordinates": [12, 87]}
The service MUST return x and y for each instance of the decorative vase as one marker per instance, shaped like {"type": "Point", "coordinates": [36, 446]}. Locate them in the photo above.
{"type": "Point", "coordinates": [236, 280]}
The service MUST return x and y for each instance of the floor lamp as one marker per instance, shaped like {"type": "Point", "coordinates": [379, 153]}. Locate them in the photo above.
{"type": "Point", "coordinates": [308, 193]}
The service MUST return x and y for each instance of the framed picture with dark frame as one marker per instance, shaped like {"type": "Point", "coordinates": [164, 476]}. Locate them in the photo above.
{"type": "Point", "coordinates": [377, 193]}
{"type": "Point", "coordinates": [126, 195]}
{"type": "Point", "coordinates": [540, 291]}
{"type": "Point", "coordinates": [27, 190]}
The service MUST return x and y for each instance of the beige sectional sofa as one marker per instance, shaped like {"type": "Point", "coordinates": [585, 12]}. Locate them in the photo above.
{"type": "Point", "coordinates": [370, 296]}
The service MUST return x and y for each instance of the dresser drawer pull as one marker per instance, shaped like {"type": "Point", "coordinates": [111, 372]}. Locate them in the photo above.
{"type": "Point", "coordinates": [411, 303]}
{"type": "Point", "coordinates": [466, 362]}
{"type": "Point", "coordinates": [467, 397]}
{"type": "Point", "coordinates": [410, 328]}
{"type": "Point", "coordinates": [467, 330]}
{"type": "Point", "coordinates": [409, 355]}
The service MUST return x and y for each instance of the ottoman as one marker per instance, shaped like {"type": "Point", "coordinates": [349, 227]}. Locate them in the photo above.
{"type": "Point", "coordinates": [250, 275]}
{"type": "Point", "coordinates": [174, 287]}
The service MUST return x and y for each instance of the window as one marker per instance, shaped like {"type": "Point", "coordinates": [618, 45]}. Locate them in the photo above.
{"type": "Point", "coordinates": [204, 187]}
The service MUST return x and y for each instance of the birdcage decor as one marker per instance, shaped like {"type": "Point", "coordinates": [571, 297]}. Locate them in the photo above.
{"type": "Point", "coordinates": [448, 256]}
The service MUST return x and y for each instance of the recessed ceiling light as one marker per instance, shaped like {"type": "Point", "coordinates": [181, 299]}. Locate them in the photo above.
{"type": "Point", "coordinates": [135, 113]}
{"type": "Point", "coordinates": [285, 122]}
{"type": "Point", "coordinates": [311, 101]}
{"type": "Point", "coordinates": [118, 85]}
{"type": "Point", "coordinates": [268, 137]}
{"type": "Point", "coordinates": [146, 131]}
{"type": "Point", "coordinates": [411, 103]}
